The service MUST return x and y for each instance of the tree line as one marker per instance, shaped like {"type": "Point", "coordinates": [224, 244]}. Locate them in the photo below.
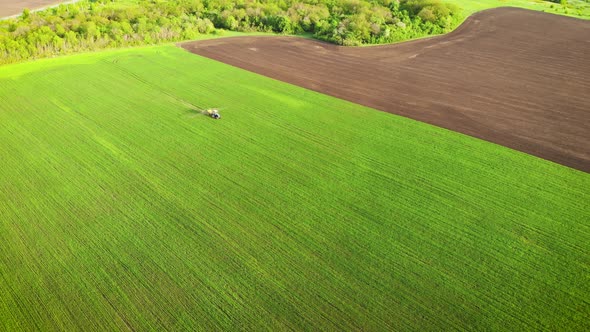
{"type": "Point", "coordinates": [97, 24]}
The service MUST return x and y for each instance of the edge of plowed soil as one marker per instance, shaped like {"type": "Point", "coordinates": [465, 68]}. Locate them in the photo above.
{"type": "Point", "coordinates": [510, 76]}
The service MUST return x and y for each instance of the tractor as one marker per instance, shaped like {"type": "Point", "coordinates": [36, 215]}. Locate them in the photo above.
{"type": "Point", "coordinates": [214, 113]}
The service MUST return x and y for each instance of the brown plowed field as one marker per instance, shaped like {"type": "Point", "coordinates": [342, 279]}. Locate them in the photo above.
{"type": "Point", "coordinates": [514, 77]}
{"type": "Point", "coordinates": [14, 7]}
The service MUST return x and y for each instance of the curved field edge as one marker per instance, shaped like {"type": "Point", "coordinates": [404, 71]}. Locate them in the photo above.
{"type": "Point", "coordinates": [43, 39]}
{"type": "Point", "coordinates": [121, 207]}
{"type": "Point", "coordinates": [471, 8]}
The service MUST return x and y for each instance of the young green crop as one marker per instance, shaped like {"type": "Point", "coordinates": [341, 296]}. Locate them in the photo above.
{"type": "Point", "coordinates": [122, 207]}
{"type": "Point", "coordinates": [574, 8]}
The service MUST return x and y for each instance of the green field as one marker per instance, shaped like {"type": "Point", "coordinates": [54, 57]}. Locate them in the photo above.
{"type": "Point", "coordinates": [575, 8]}
{"type": "Point", "coordinates": [121, 207]}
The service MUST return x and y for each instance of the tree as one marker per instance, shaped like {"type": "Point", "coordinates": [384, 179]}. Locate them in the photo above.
{"type": "Point", "coordinates": [26, 14]}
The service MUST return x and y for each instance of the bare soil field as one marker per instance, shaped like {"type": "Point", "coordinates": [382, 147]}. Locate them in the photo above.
{"type": "Point", "coordinates": [510, 76]}
{"type": "Point", "coordinates": [13, 7]}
